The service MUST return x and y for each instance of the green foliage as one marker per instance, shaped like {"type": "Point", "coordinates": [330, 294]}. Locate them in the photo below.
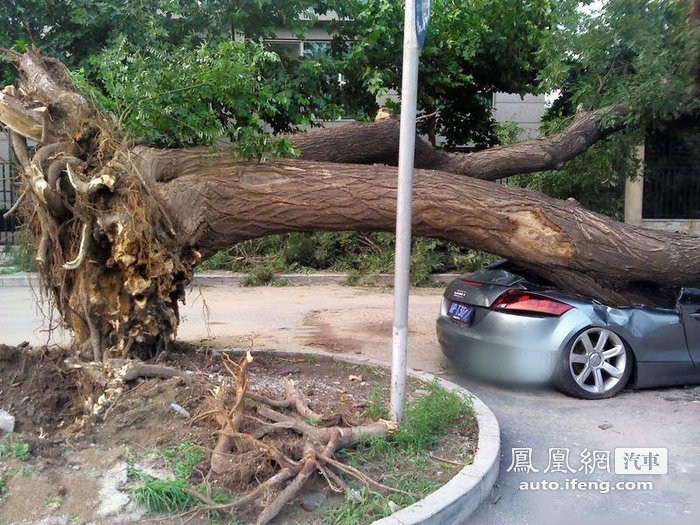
{"type": "Point", "coordinates": [403, 459]}
{"type": "Point", "coordinates": [21, 256]}
{"type": "Point", "coordinates": [364, 506]}
{"type": "Point", "coordinates": [507, 132]}
{"type": "Point", "coordinates": [20, 451]}
{"type": "Point", "coordinates": [358, 254]}
{"type": "Point", "coordinates": [634, 51]}
{"type": "Point", "coordinates": [638, 51]}
{"type": "Point", "coordinates": [427, 257]}
{"type": "Point", "coordinates": [53, 502]}
{"type": "Point", "coordinates": [595, 179]}
{"type": "Point", "coordinates": [472, 50]}
{"type": "Point", "coordinates": [16, 450]}
{"type": "Point", "coordinates": [74, 31]}
{"type": "Point", "coordinates": [185, 456]}
{"type": "Point", "coordinates": [170, 495]}
{"type": "Point", "coordinates": [262, 276]}
{"type": "Point", "coordinates": [376, 406]}
{"type": "Point", "coordinates": [91, 92]}
{"type": "Point", "coordinates": [180, 73]}
{"type": "Point", "coordinates": [425, 421]}
{"type": "Point", "coordinates": [427, 418]}
{"type": "Point", "coordinates": [177, 97]}
{"type": "Point", "coordinates": [160, 495]}
{"type": "Point", "coordinates": [164, 61]}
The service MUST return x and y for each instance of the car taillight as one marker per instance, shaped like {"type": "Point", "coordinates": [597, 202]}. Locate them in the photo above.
{"type": "Point", "coordinates": [526, 302]}
{"type": "Point", "coordinates": [470, 283]}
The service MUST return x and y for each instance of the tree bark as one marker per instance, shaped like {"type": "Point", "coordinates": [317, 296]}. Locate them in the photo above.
{"type": "Point", "coordinates": [582, 251]}
{"type": "Point", "coordinates": [378, 143]}
{"type": "Point", "coordinates": [120, 227]}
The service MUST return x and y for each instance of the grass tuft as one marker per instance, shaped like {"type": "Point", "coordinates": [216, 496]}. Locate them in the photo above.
{"type": "Point", "coordinates": [376, 407]}
{"type": "Point", "coordinates": [170, 495]}
{"type": "Point", "coordinates": [426, 420]}
{"type": "Point", "coordinates": [402, 460]}
{"type": "Point", "coordinates": [20, 451]}
{"type": "Point", "coordinates": [164, 495]}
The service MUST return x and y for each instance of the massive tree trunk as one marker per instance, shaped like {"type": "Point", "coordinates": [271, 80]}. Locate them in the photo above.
{"type": "Point", "coordinates": [121, 227]}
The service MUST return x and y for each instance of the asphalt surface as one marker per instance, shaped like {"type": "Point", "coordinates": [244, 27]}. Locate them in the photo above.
{"type": "Point", "coordinates": [563, 439]}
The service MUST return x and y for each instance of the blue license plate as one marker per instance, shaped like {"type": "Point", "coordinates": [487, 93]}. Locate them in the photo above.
{"type": "Point", "coordinates": [461, 312]}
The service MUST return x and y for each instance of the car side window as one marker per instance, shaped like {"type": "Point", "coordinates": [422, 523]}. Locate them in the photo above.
{"type": "Point", "coordinates": [689, 296]}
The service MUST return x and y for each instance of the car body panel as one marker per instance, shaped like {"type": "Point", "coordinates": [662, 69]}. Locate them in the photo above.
{"type": "Point", "coordinates": [689, 306]}
{"type": "Point", "coordinates": [490, 354]}
{"type": "Point", "coordinates": [653, 334]}
{"type": "Point", "coordinates": [514, 347]}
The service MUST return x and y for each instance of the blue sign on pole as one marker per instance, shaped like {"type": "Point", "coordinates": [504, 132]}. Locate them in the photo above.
{"type": "Point", "coordinates": [422, 17]}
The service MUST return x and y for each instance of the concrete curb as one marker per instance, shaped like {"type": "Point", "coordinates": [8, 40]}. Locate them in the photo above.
{"type": "Point", "coordinates": [459, 497]}
{"type": "Point", "coordinates": [235, 279]}
{"type": "Point", "coordinates": [19, 279]}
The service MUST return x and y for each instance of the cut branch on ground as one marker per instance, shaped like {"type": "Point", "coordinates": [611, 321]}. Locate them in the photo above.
{"type": "Point", "coordinates": [243, 429]}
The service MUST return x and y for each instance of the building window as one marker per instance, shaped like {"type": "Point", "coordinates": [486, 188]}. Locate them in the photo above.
{"type": "Point", "coordinates": [672, 174]}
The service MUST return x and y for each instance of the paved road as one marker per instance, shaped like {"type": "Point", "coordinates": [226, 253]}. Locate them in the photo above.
{"type": "Point", "coordinates": [540, 427]}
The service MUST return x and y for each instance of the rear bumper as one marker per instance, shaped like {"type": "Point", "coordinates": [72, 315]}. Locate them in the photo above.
{"type": "Point", "coordinates": [520, 357]}
{"type": "Point", "coordinates": [492, 360]}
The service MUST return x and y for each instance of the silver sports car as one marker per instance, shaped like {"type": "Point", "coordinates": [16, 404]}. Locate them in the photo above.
{"type": "Point", "coordinates": [507, 324]}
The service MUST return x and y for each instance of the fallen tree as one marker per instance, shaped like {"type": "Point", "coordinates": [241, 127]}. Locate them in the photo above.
{"type": "Point", "coordinates": [120, 227]}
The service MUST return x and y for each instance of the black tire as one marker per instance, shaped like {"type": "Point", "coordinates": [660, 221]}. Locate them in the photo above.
{"type": "Point", "coordinates": [595, 364]}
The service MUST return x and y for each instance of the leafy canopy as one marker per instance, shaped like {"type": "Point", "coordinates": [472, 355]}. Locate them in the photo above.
{"type": "Point", "coordinates": [177, 97]}
{"type": "Point", "coordinates": [641, 52]}
{"type": "Point", "coordinates": [185, 72]}
{"type": "Point", "coordinates": [472, 50]}
{"type": "Point", "coordinates": [181, 73]}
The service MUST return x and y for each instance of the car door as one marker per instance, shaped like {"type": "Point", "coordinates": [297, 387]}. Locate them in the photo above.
{"type": "Point", "coordinates": [689, 305]}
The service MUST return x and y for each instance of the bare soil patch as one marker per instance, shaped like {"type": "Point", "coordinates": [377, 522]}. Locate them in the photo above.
{"type": "Point", "coordinates": [77, 470]}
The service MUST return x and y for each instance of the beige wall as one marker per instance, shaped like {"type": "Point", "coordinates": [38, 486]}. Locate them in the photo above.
{"type": "Point", "coordinates": [525, 111]}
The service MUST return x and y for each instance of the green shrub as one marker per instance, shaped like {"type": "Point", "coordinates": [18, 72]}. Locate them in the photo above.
{"type": "Point", "coordinates": [357, 253]}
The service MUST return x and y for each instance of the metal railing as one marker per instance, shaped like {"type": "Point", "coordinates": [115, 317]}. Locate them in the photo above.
{"type": "Point", "coordinates": [9, 226]}
{"type": "Point", "coordinates": [672, 192]}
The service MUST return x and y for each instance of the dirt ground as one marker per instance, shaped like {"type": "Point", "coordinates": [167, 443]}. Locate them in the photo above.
{"type": "Point", "coordinates": [77, 470]}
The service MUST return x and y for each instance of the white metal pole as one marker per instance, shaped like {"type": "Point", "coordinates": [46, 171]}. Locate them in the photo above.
{"type": "Point", "coordinates": [409, 84]}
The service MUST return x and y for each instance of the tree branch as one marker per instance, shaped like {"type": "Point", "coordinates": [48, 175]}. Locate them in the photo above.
{"type": "Point", "coordinates": [378, 143]}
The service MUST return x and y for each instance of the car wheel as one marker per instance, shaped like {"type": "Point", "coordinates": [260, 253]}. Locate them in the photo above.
{"type": "Point", "coordinates": [595, 364]}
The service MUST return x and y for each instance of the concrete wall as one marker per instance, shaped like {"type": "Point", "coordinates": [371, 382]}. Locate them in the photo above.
{"type": "Point", "coordinates": [525, 111]}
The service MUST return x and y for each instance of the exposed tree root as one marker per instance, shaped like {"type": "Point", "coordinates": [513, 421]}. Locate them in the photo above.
{"type": "Point", "coordinates": [107, 250]}
{"type": "Point", "coordinates": [101, 383]}
{"type": "Point", "coordinates": [245, 429]}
